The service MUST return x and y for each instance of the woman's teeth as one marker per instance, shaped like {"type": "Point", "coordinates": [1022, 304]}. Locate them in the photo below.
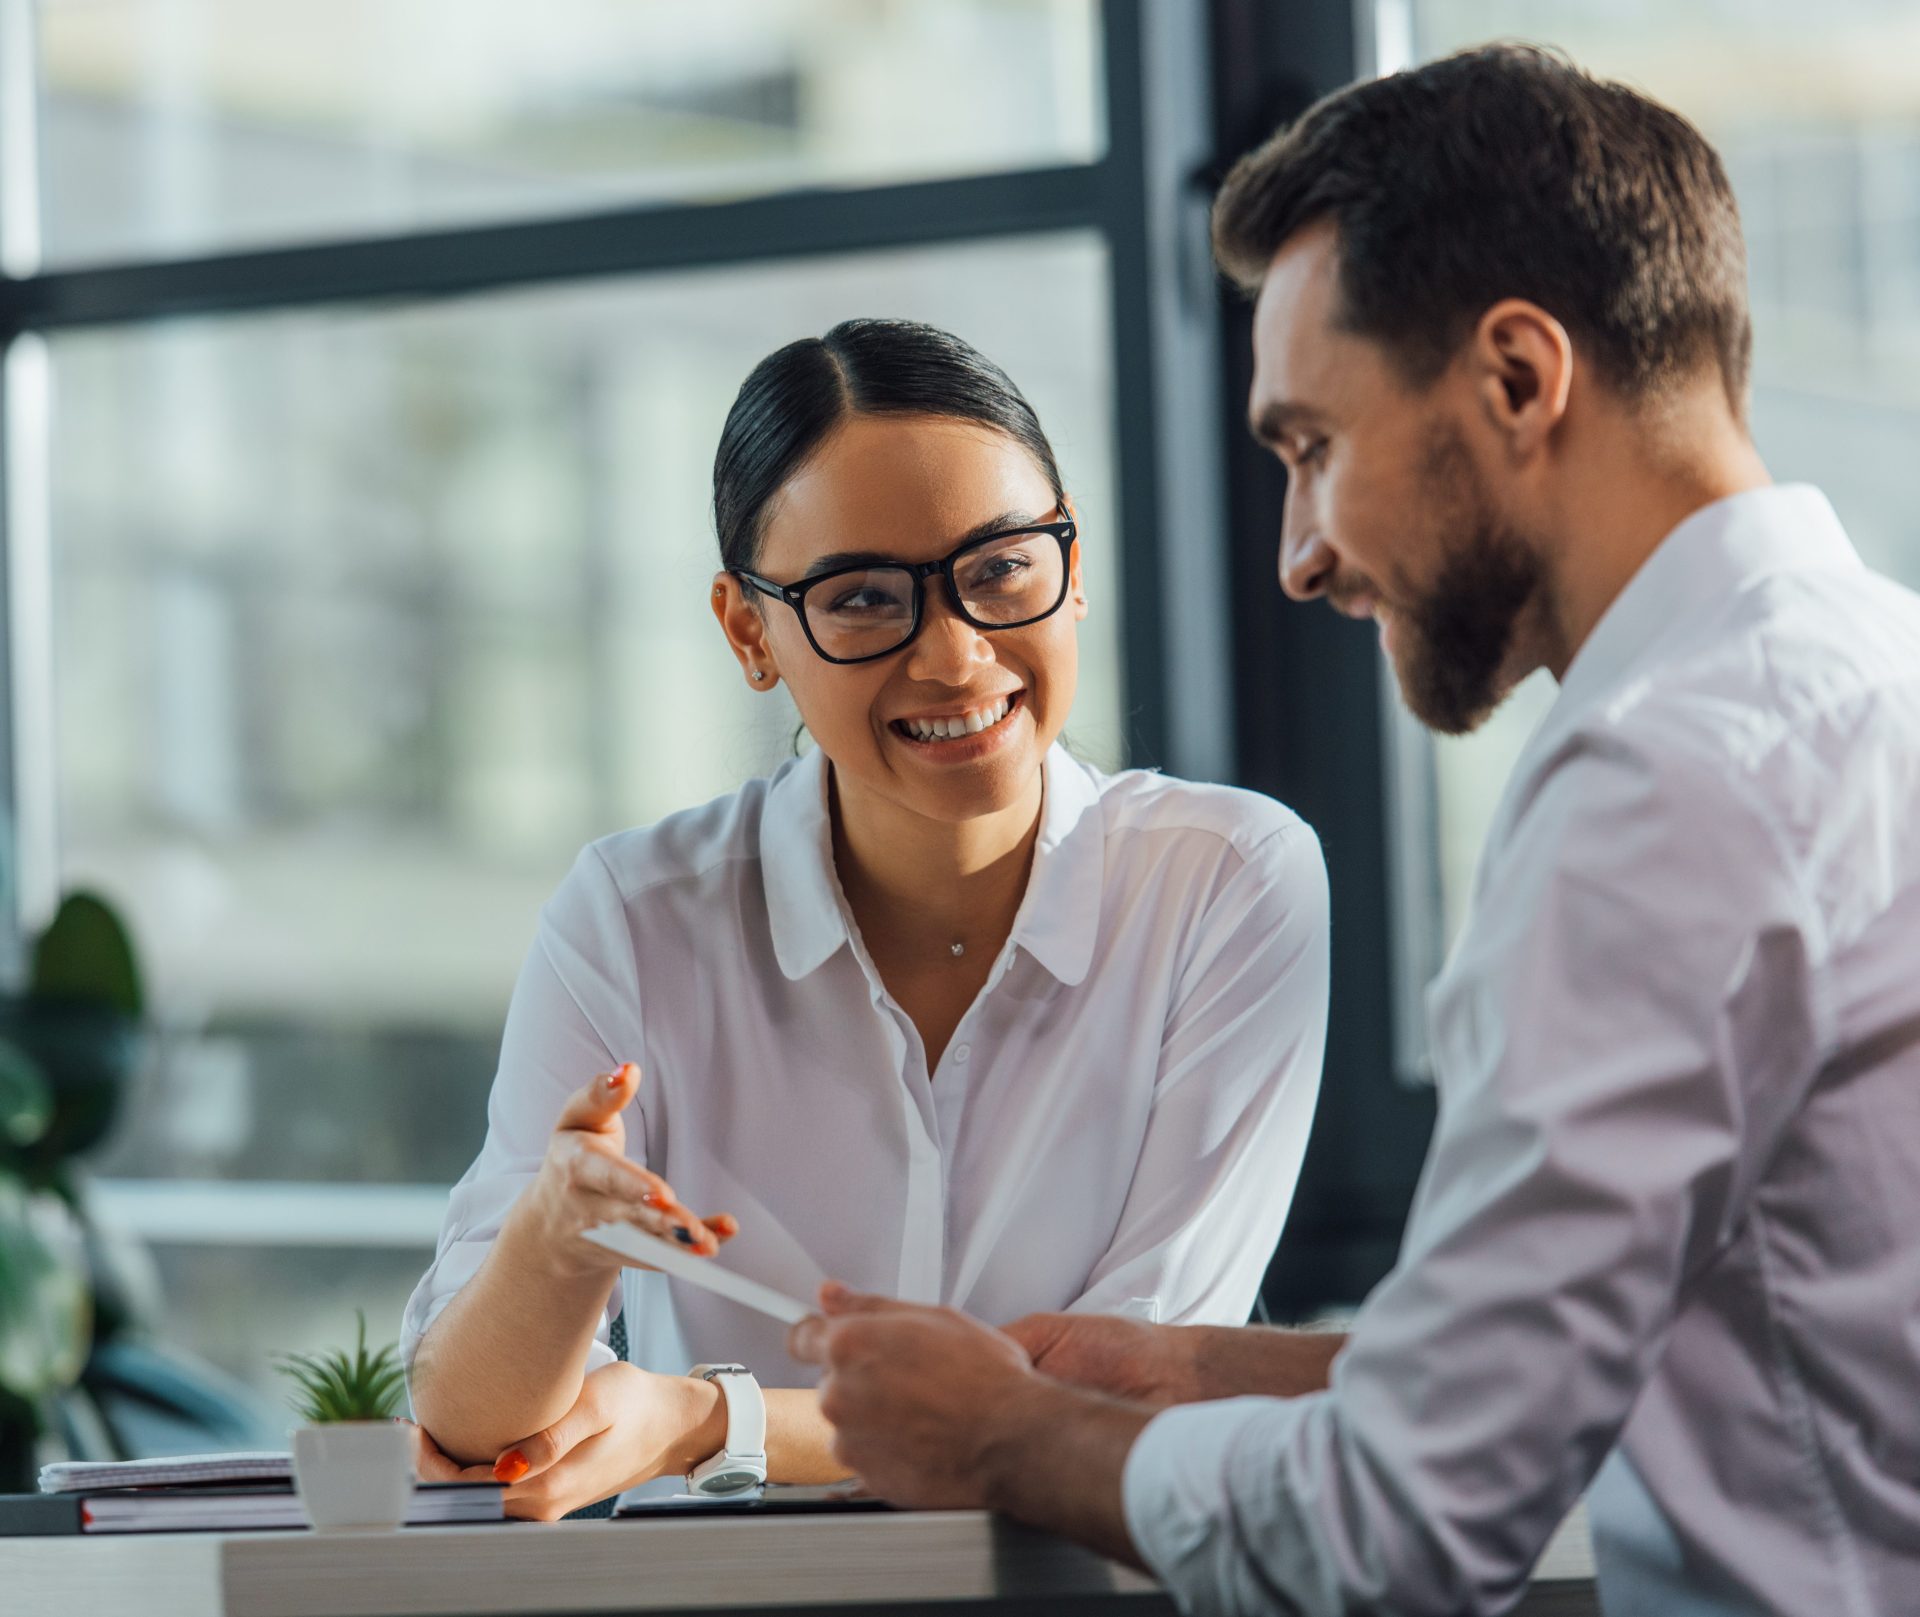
{"type": "Point", "coordinates": [966, 724]}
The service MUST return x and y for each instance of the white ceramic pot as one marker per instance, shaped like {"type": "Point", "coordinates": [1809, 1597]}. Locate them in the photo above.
{"type": "Point", "coordinates": [353, 1474]}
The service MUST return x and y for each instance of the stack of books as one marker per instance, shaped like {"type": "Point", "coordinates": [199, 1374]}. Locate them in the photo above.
{"type": "Point", "coordinates": [204, 1493]}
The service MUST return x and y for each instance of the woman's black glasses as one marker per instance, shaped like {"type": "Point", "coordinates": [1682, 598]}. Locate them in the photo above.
{"type": "Point", "coordinates": [1003, 580]}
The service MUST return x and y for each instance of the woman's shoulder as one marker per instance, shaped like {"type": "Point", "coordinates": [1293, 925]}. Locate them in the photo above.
{"type": "Point", "coordinates": [704, 845]}
{"type": "Point", "coordinates": [1151, 806]}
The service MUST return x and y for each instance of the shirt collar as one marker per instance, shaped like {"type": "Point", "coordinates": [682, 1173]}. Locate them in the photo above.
{"type": "Point", "coordinates": [1058, 918]}
{"type": "Point", "coordinates": [804, 911]}
{"type": "Point", "coordinates": [1712, 554]}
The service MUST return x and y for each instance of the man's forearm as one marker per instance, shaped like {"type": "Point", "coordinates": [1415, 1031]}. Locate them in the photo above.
{"type": "Point", "coordinates": [1234, 1361]}
{"type": "Point", "coordinates": [1056, 1462]}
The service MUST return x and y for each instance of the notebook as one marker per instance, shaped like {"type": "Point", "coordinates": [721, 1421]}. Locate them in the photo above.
{"type": "Point", "coordinates": [229, 1510]}
{"type": "Point", "coordinates": [176, 1470]}
{"type": "Point", "coordinates": [269, 1506]}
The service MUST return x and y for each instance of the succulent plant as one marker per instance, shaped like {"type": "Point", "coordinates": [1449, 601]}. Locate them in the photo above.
{"type": "Point", "coordinates": [343, 1386]}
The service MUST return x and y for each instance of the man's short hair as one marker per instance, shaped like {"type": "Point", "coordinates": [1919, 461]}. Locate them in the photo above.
{"type": "Point", "coordinates": [1506, 171]}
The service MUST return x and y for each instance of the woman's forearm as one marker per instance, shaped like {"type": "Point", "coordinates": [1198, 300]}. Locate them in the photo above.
{"type": "Point", "coordinates": [507, 1356]}
{"type": "Point", "coordinates": [799, 1439]}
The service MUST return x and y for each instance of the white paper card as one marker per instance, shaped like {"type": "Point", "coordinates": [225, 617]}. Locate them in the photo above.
{"type": "Point", "coordinates": [677, 1261]}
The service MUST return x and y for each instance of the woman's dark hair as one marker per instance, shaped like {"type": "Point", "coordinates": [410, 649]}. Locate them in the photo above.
{"type": "Point", "coordinates": [1507, 172]}
{"type": "Point", "coordinates": [794, 397]}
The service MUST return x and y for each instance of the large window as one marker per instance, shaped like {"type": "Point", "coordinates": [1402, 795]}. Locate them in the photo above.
{"type": "Point", "coordinates": [172, 126]}
{"type": "Point", "coordinates": [359, 561]}
{"type": "Point", "coordinates": [1819, 127]}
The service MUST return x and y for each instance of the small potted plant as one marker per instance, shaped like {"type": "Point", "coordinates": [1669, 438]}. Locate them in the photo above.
{"type": "Point", "coordinates": [352, 1462]}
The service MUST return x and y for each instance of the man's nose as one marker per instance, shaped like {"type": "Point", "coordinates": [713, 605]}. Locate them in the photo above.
{"type": "Point", "coordinates": [1307, 563]}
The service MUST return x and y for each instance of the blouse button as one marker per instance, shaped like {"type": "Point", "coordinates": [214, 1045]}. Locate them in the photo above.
{"type": "Point", "coordinates": [960, 1054]}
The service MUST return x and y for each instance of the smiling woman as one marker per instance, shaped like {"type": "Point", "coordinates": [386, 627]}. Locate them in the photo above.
{"type": "Point", "coordinates": [936, 1009]}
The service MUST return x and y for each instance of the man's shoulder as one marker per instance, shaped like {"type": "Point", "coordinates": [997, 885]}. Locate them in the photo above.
{"type": "Point", "coordinates": [1795, 717]}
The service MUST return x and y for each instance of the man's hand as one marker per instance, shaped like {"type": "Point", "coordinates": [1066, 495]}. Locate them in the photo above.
{"type": "Point", "coordinates": [627, 1427]}
{"type": "Point", "coordinates": [1149, 1364]}
{"type": "Point", "coordinates": [938, 1411]}
{"type": "Point", "coordinates": [916, 1395]}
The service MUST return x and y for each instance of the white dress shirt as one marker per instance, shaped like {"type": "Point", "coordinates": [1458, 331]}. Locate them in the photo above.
{"type": "Point", "coordinates": [1119, 1117]}
{"type": "Point", "coordinates": [1671, 1213]}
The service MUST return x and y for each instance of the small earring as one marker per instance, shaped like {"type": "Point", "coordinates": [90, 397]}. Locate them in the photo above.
{"type": "Point", "coordinates": [758, 675]}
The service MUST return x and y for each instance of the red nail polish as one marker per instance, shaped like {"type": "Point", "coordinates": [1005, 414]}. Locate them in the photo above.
{"type": "Point", "coordinates": [510, 1467]}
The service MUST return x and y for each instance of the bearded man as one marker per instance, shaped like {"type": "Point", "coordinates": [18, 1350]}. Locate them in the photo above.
{"type": "Point", "coordinates": [1663, 1249]}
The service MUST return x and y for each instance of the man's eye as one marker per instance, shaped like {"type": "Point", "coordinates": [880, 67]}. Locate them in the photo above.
{"type": "Point", "coordinates": [1311, 454]}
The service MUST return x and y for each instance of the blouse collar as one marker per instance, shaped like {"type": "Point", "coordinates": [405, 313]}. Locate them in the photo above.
{"type": "Point", "coordinates": [1058, 919]}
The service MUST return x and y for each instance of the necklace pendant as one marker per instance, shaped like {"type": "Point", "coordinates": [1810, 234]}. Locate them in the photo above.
{"type": "Point", "coordinates": [959, 949]}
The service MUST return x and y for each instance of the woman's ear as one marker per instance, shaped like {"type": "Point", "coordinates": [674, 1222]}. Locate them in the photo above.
{"type": "Point", "coordinates": [744, 626]}
{"type": "Point", "coordinates": [1076, 585]}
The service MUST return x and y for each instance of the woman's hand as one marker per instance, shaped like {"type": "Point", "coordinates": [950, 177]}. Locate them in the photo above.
{"type": "Point", "coordinates": [586, 1179]}
{"type": "Point", "coordinates": [1149, 1364]}
{"type": "Point", "coordinates": [627, 1427]}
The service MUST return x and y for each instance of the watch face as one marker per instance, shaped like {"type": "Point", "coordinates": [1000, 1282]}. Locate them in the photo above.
{"type": "Point", "coordinates": [730, 1482]}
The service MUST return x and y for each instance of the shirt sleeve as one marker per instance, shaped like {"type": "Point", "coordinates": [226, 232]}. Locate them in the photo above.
{"type": "Point", "coordinates": [571, 1017]}
{"type": "Point", "coordinates": [1233, 1098]}
{"type": "Point", "coordinates": [1624, 1031]}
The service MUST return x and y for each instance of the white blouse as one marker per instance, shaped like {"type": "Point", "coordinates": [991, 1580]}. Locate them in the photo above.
{"type": "Point", "coordinates": [1116, 1124]}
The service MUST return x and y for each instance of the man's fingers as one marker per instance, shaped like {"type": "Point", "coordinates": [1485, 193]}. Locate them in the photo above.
{"type": "Point", "coordinates": [1038, 1333]}
{"type": "Point", "coordinates": [600, 1102]}
{"type": "Point", "coordinates": [807, 1341]}
{"type": "Point", "coordinates": [837, 1300]}
{"type": "Point", "coordinates": [811, 1339]}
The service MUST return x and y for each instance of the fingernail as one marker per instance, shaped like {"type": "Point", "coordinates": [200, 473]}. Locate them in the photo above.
{"type": "Point", "coordinates": [612, 1080]}
{"type": "Point", "coordinates": [510, 1467]}
{"type": "Point", "coordinates": [627, 1067]}
{"type": "Point", "coordinates": [683, 1235]}
{"type": "Point", "coordinates": [651, 1200]}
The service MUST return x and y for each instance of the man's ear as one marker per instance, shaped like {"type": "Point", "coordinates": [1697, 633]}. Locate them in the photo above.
{"type": "Point", "coordinates": [1523, 373]}
{"type": "Point", "coordinates": [745, 627]}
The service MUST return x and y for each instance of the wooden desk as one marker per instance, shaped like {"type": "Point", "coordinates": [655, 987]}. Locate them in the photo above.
{"type": "Point", "coordinates": [771, 1566]}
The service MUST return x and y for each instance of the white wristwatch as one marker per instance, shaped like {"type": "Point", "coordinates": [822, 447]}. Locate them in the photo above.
{"type": "Point", "coordinates": [742, 1464]}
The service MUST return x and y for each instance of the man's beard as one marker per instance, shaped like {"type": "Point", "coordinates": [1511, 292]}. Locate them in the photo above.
{"type": "Point", "coordinates": [1452, 642]}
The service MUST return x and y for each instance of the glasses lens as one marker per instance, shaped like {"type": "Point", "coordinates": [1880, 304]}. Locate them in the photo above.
{"type": "Point", "coordinates": [862, 614]}
{"type": "Point", "coordinates": [1012, 580]}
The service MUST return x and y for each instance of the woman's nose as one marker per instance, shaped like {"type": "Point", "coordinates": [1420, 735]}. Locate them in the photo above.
{"type": "Point", "coordinates": [947, 649]}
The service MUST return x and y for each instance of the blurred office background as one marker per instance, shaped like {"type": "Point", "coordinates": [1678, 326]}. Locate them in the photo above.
{"type": "Point", "coordinates": [364, 361]}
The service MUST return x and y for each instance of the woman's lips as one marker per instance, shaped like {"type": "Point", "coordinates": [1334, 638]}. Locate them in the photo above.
{"type": "Point", "coordinates": [963, 748]}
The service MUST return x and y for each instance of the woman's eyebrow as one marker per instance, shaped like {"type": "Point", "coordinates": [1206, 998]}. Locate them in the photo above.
{"type": "Point", "coordinates": [833, 562]}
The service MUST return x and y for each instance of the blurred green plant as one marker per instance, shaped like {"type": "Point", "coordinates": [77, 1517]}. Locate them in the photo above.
{"type": "Point", "coordinates": [68, 1048]}
{"type": "Point", "coordinates": [85, 957]}
{"type": "Point", "coordinates": [45, 1302]}
{"type": "Point", "coordinates": [342, 1386]}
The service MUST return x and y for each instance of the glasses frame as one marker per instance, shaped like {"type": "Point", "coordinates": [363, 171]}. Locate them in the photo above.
{"type": "Point", "coordinates": [795, 595]}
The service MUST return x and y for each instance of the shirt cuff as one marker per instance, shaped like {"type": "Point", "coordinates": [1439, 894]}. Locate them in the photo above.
{"type": "Point", "coordinates": [1176, 1489]}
